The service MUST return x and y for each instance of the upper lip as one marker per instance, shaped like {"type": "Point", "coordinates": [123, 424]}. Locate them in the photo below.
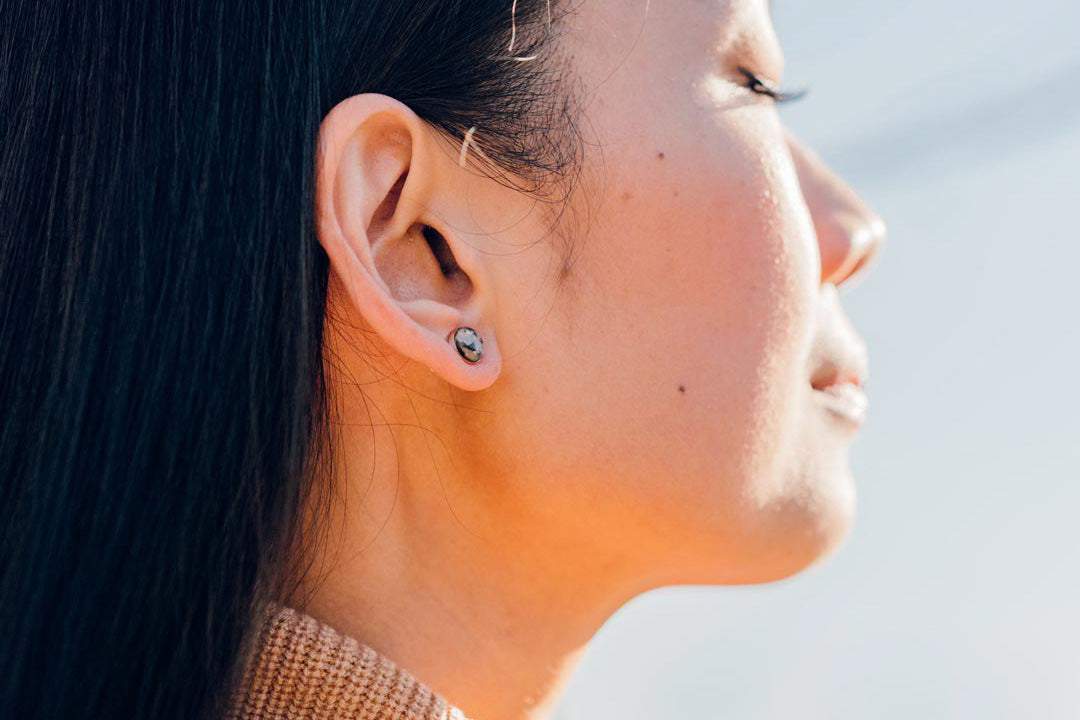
{"type": "Point", "coordinates": [841, 355]}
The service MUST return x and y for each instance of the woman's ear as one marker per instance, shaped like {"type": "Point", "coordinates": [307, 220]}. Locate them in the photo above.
{"type": "Point", "coordinates": [380, 174]}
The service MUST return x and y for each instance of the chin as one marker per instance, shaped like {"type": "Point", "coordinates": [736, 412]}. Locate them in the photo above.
{"type": "Point", "coordinates": [782, 538]}
{"type": "Point", "coordinates": [804, 532]}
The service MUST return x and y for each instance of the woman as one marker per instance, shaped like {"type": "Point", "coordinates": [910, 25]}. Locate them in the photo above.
{"type": "Point", "coordinates": [361, 359]}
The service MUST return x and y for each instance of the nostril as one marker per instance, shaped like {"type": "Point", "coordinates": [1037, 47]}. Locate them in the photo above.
{"type": "Point", "coordinates": [855, 271]}
{"type": "Point", "coordinates": [866, 244]}
{"type": "Point", "coordinates": [847, 241]}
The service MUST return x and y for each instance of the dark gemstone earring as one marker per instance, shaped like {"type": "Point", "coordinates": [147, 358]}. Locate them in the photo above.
{"type": "Point", "coordinates": [469, 344]}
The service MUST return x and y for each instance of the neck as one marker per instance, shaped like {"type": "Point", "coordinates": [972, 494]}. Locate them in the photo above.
{"type": "Point", "coordinates": [484, 607]}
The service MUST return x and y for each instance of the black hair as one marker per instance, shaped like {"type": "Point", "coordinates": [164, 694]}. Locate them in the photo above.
{"type": "Point", "coordinates": [162, 305]}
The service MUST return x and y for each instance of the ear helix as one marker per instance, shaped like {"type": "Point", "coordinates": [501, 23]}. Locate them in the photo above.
{"type": "Point", "coordinates": [468, 344]}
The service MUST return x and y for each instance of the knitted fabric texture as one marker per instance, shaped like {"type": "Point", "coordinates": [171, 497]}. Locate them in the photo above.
{"type": "Point", "coordinates": [303, 669]}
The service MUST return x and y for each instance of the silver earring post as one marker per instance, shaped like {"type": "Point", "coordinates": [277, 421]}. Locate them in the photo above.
{"type": "Point", "coordinates": [468, 344]}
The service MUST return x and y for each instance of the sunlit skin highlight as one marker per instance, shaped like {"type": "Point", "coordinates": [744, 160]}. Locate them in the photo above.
{"type": "Point", "coordinates": [642, 416]}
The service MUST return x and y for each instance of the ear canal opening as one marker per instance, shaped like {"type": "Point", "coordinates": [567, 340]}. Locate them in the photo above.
{"type": "Point", "coordinates": [441, 250]}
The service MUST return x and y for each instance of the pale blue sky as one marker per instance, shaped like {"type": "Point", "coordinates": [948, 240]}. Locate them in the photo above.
{"type": "Point", "coordinates": [957, 594]}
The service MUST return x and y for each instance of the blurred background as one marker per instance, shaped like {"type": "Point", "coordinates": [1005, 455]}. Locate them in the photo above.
{"type": "Point", "coordinates": [957, 594]}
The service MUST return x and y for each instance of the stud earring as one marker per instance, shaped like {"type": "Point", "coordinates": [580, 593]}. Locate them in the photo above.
{"type": "Point", "coordinates": [468, 344]}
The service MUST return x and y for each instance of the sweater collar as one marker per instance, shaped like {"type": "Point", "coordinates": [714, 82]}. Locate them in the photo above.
{"type": "Point", "coordinates": [303, 668]}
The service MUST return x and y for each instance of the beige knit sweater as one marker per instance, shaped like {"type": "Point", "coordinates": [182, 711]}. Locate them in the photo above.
{"type": "Point", "coordinates": [303, 669]}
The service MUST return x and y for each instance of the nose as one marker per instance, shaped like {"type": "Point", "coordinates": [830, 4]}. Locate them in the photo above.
{"type": "Point", "coordinates": [850, 234]}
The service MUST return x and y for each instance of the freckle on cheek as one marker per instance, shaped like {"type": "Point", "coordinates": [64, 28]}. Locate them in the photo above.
{"type": "Point", "coordinates": [626, 196]}
{"type": "Point", "coordinates": [682, 388]}
{"type": "Point", "coordinates": [659, 156]}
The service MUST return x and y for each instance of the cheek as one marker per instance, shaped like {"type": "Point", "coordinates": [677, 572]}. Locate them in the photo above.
{"type": "Point", "coordinates": [703, 259]}
{"type": "Point", "coordinates": [687, 324]}
{"type": "Point", "coordinates": [655, 402]}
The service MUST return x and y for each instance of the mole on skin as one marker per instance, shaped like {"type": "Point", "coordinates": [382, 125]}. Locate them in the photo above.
{"type": "Point", "coordinates": [682, 388]}
{"type": "Point", "coordinates": [659, 156]}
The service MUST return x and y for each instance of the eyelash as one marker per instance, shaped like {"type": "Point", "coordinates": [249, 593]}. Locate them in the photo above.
{"type": "Point", "coordinates": [759, 86]}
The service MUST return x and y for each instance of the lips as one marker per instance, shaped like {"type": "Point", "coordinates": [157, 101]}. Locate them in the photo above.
{"type": "Point", "coordinates": [839, 377]}
{"type": "Point", "coordinates": [838, 380]}
{"type": "Point", "coordinates": [845, 400]}
{"type": "Point", "coordinates": [841, 367]}
{"type": "Point", "coordinates": [840, 362]}
{"type": "Point", "coordinates": [841, 357]}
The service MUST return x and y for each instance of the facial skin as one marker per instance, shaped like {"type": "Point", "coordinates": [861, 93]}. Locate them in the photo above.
{"type": "Point", "coordinates": [642, 416]}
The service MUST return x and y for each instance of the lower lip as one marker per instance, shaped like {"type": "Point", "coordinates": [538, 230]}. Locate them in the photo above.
{"type": "Point", "coordinates": [845, 400]}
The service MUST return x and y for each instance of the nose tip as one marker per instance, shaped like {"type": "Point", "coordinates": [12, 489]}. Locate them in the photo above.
{"type": "Point", "coordinates": [854, 239]}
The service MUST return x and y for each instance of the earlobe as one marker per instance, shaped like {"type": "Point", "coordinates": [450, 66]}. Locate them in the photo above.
{"type": "Point", "coordinates": [381, 178]}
